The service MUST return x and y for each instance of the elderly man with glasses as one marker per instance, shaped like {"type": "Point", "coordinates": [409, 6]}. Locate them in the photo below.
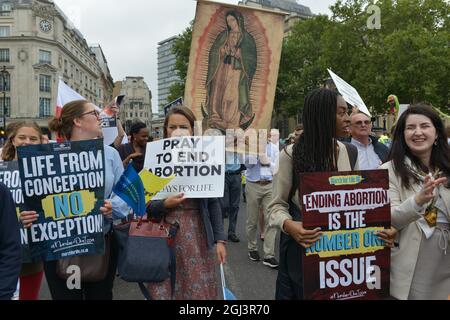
{"type": "Point", "coordinates": [371, 152]}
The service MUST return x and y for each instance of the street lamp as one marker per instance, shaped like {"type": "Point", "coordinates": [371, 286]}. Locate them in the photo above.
{"type": "Point", "coordinates": [4, 74]}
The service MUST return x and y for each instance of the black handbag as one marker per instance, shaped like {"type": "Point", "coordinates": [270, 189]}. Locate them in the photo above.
{"type": "Point", "coordinates": [146, 252]}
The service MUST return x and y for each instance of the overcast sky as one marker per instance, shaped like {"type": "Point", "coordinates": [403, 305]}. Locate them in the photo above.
{"type": "Point", "coordinates": [129, 31]}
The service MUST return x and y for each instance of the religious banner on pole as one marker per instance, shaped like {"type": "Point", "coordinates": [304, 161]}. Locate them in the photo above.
{"type": "Point", "coordinates": [64, 183]}
{"type": "Point", "coordinates": [233, 65]}
{"type": "Point", "coordinates": [349, 261]}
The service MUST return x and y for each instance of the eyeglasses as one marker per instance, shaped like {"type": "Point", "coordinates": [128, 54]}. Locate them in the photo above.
{"type": "Point", "coordinates": [93, 112]}
{"type": "Point", "coordinates": [360, 123]}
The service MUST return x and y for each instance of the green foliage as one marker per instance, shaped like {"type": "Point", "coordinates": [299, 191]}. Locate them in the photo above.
{"type": "Point", "coordinates": [181, 48]}
{"type": "Point", "coordinates": [409, 56]}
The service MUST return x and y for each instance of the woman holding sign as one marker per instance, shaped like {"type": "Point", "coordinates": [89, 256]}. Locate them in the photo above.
{"type": "Point", "coordinates": [201, 228]}
{"type": "Point", "coordinates": [80, 121]}
{"type": "Point", "coordinates": [20, 134]}
{"type": "Point", "coordinates": [325, 118]}
{"type": "Point", "coordinates": [420, 206]}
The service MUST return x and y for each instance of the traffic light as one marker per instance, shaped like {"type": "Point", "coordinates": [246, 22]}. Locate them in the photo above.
{"type": "Point", "coordinates": [2, 137]}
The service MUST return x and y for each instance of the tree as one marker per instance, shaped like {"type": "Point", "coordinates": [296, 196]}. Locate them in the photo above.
{"type": "Point", "coordinates": [181, 48]}
{"type": "Point", "coordinates": [408, 56]}
{"type": "Point", "coordinates": [302, 66]}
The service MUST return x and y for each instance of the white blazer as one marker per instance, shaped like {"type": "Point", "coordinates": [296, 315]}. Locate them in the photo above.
{"type": "Point", "coordinates": [404, 219]}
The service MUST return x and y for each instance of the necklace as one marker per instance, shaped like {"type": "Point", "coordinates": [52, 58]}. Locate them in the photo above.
{"type": "Point", "coordinates": [431, 212]}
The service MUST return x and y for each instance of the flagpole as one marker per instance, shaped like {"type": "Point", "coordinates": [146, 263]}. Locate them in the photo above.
{"type": "Point", "coordinates": [222, 276]}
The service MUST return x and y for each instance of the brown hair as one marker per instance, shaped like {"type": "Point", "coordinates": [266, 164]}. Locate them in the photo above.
{"type": "Point", "coordinates": [9, 150]}
{"type": "Point", "coordinates": [182, 110]}
{"type": "Point", "coordinates": [63, 126]}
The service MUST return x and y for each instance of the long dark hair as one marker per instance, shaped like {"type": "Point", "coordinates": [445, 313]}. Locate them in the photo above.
{"type": "Point", "coordinates": [440, 155]}
{"type": "Point", "coordinates": [315, 150]}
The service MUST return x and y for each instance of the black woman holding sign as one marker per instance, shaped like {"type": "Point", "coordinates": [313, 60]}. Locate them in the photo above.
{"type": "Point", "coordinates": [325, 118]}
{"type": "Point", "coordinates": [420, 206]}
{"type": "Point", "coordinates": [201, 229]}
{"type": "Point", "coordinates": [80, 121]}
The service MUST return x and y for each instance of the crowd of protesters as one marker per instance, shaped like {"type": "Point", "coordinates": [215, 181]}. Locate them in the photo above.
{"type": "Point", "coordinates": [332, 137]}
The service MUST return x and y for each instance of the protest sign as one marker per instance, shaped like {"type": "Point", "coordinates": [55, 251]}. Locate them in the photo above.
{"type": "Point", "coordinates": [109, 121]}
{"type": "Point", "coordinates": [169, 106]}
{"type": "Point", "coordinates": [109, 128]}
{"type": "Point", "coordinates": [402, 109]}
{"type": "Point", "coordinates": [349, 93]}
{"type": "Point", "coordinates": [198, 164]}
{"type": "Point", "coordinates": [10, 177]}
{"type": "Point", "coordinates": [349, 261]}
{"type": "Point", "coordinates": [64, 184]}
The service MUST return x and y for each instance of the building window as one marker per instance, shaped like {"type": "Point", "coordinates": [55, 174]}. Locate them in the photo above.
{"type": "Point", "coordinates": [7, 82]}
{"type": "Point", "coordinates": [45, 56]}
{"type": "Point", "coordinates": [5, 31]}
{"type": "Point", "coordinates": [4, 55]}
{"type": "Point", "coordinates": [44, 107]}
{"type": "Point", "coordinates": [45, 83]}
{"type": "Point", "coordinates": [7, 106]}
{"type": "Point", "coordinates": [6, 9]}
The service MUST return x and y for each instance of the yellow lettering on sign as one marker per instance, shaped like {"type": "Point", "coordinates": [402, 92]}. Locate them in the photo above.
{"type": "Point", "coordinates": [345, 180]}
{"type": "Point", "coordinates": [69, 205]}
{"type": "Point", "coordinates": [347, 242]}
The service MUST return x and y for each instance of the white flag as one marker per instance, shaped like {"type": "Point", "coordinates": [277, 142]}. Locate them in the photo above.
{"type": "Point", "coordinates": [65, 95]}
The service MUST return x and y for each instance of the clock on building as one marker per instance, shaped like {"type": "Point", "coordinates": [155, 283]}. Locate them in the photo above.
{"type": "Point", "coordinates": [45, 25]}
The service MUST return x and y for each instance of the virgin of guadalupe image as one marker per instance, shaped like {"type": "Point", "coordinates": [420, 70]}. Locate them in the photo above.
{"type": "Point", "coordinates": [231, 68]}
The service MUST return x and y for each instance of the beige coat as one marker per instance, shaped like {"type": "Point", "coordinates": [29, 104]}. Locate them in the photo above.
{"type": "Point", "coordinates": [279, 206]}
{"type": "Point", "coordinates": [404, 217]}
